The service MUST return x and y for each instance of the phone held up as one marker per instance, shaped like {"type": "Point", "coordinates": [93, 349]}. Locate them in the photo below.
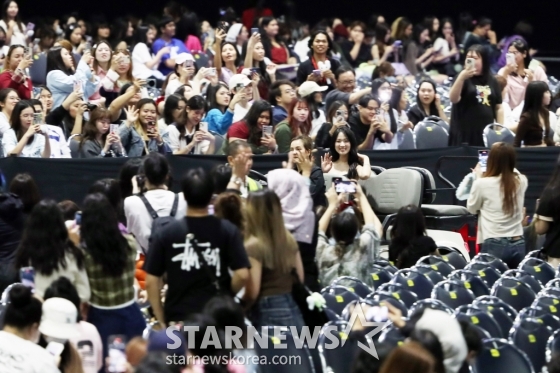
{"type": "Point", "coordinates": [483, 159]}
{"type": "Point", "coordinates": [116, 354]}
{"type": "Point", "coordinates": [343, 186]}
{"type": "Point", "coordinates": [469, 63]}
{"type": "Point", "coordinates": [27, 276]}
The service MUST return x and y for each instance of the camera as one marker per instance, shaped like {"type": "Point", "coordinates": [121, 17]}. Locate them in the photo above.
{"type": "Point", "coordinates": [91, 107]}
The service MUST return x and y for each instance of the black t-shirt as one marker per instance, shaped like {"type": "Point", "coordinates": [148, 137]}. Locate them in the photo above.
{"type": "Point", "coordinates": [475, 111]}
{"type": "Point", "coordinates": [549, 210]}
{"type": "Point", "coordinates": [361, 129]}
{"type": "Point", "coordinates": [364, 54]}
{"type": "Point", "coordinates": [189, 283]}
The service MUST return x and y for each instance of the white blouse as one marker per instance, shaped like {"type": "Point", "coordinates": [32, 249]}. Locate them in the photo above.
{"type": "Point", "coordinates": [33, 150]}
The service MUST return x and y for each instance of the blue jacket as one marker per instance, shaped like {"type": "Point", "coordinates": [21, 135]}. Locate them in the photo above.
{"type": "Point", "coordinates": [278, 115]}
{"type": "Point", "coordinates": [134, 145]}
{"type": "Point", "coordinates": [219, 122]}
{"type": "Point", "coordinates": [61, 85]}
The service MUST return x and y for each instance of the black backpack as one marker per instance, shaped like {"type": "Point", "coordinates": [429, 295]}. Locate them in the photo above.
{"type": "Point", "coordinates": [159, 222]}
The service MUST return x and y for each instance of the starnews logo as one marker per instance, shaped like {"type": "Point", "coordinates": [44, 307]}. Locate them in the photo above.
{"type": "Point", "coordinates": [276, 337]}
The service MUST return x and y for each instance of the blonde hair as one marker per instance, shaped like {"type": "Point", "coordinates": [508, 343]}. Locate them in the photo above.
{"type": "Point", "coordinates": [265, 224]}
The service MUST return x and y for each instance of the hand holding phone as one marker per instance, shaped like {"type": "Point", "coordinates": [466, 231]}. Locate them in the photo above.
{"type": "Point", "coordinates": [116, 354]}
{"type": "Point", "coordinates": [266, 131]}
{"type": "Point", "coordinates": [27, 276]}
{"type": "Point", "coordinates": [483, 160]}
{"type": "Point", "coordinates": [469, 63]}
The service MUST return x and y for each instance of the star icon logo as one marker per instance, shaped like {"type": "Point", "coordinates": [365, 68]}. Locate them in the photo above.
{"type": "Point", "coordinates": [358, 314]}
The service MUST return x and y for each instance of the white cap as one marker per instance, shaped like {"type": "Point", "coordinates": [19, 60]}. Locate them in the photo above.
{"type": "Point", "coordinates": [239, 79]}
{"type": "Point", "coordinates": [182, 57]}
{"type": "Point", "coordinates": [59, 319]}
{"type": "Point", "coordinates": [307, 88]}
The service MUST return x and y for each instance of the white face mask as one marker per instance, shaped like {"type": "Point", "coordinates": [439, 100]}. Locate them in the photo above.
{"type": "Point", "coordinates": [53, 339]}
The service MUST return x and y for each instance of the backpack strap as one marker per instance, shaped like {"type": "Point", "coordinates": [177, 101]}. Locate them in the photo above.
{"type": "Point", "coordinates": [149, 207]}
{"type": "Point", "coordinates": [175, 205]}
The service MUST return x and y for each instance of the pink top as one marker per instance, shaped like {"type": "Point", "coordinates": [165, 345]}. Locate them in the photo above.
{"type": "Point", "coordinates": [516, 86]}
{"type": "Point", "coordinates": [101, 74]}
{"type": "Point", "coordinates": [193, 43]}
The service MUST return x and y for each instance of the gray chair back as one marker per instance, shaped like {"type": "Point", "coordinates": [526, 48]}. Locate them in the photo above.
{"type": "Point", "coordinates": [430, 135]}
{"type": "Point", "coordinates": [495, 132]}
{"type": "Point", "coordinates": [219, 141]}
{"type": "Point", "coordinates": [38, 71]}
{"type": "Point", "coordinates": [407, 140]}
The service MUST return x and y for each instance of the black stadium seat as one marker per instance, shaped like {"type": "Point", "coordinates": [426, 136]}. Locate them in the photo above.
{"type": "Point", "coordinates": [472, 280]}
{"type": "Point", "coordinates": [525, 277]}
{"type": "Point", "coordinates": [414, 281]}
{"type": "Point", "coordinates": [513, 292]}
{"type": "Point", "coordinates": [453, 293]}
{"type": "Point", "coordinates": [480, 318]}
{"type": "Point", "coordinates": [354, 285]}
{"type": "Point", "coordinates": [427, 270]}
{"type": "Point", "coordinates": [338, 297]}
{"type": "Point", "coordinates": [384, 296]}
{"type": "Point", "coordinates": [438, 264]}
{"type": "Point", "coordinates": [491, 260]}
{"type": "Point", "coordinates": [378, 275]}
{"type": "Point", "coordinates": [430, 303]}
{"type": "Point", "coordinates": [401, 293]}
{"type": "Point", "coordinates": [531, 337]}
{"type": "Point", "coordinates": [553, 345]}
{"type": "Point", "coordinates": [304, 364]}
{"type": "Point", "coordinates": [338, 359]}
{"type": "Point", "coordinates": [500, 356]}
{"type": "Point", "coordinates": [540, 269]}
{"type": "Point", "coordinates": [488, 274]}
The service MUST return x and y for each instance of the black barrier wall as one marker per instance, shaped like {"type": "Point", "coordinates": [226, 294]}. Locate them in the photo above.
{"type": "Point", "coordinates": [61, 179]}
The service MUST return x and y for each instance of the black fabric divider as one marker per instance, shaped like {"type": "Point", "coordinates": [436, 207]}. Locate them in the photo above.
{"type": "Point", "coordinates": [61, 179]}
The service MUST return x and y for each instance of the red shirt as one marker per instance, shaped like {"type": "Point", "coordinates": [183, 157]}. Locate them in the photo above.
{"type": "Point", "coordinates": [248, 16]}
{"type": "Point", "coordinates": [238, 130]}
{"type": "Point", "coordinates": [19, 82]}
{"type": "Point", "coordinates": [279, 55]}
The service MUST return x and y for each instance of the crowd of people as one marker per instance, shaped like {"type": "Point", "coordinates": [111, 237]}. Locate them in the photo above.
{"type": "Point", "coordinates": [134, 258]}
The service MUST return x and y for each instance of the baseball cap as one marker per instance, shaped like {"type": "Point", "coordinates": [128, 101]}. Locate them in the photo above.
{"type": "Point", "coordinates": [59, 319]}
{"type": "Point", "coordinates": [182, 57]}
{"type": "Point", "coordinates": [307, 88]}
{"type": "Point", "coordinates": [239, 79]}
{"type": "Point", "coordinates": [158, 341]}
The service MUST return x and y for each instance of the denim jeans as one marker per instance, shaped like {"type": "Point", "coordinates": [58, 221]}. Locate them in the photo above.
{"type": "Point", "coordinates": [277, 310]}
{"type": "Point", "coordinates": [510, 251]}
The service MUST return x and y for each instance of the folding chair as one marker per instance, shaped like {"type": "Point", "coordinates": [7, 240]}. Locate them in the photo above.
{"type": "Point", "coordinates": [378, 276]}
{"type": "Point", "coordinates": [540, 269]}
{"type": "Point", "coordinates": [472, 281]}
{"type": "Point", "coordinates": [430, 303]}
{"type": "Point", "coordinates": [408, 141]}
{"type": "Point", "coordinates": [354, 285]}
{"type": "Point", "coordinates": [337, 297]}
{"type": "Point", "coordinates": [400, 292]}
{"type": "Point", "coordinates": [438, 264]}
{"type": "Point", "coordinates": [553, 345]}
{"type": "Point", "coordinates": [339, 359]}
{"type": "Point", "coordinates": [531, 337]}
{"type": "Point", "coordinates": [500, 356]}
{"type": "Point", "coordinates": [427, 270]}
{"type": "Point", "coordinates": [482, 319]}
{"type": "Point", "coordinates": [386, 264]}
{"type": "Point", "coordinates": [414, 281]}
{"type": "Point", "coordinates": [488, 274]}
{"type": "Point", "coordinates": [454, 258]}
{"type": "Point", "coordinates": [385, 296]}
{"type": "Point", "coordinates": [548, 304]}
{"type": "Point", "coordinates": [453, 293]}
{"type": "Point", "coordinates": [430, 135]}
{"type": "Point", "coordinates": [513, 292]}
{"type": "Point", "coordinates": [392, 336]}
{"type": "Point", "coordinates": [491, 260]}
{"type": "Point", "coordinates": [541, 316]}
{"type": "Point", "coordinates": [496, 132]}
{"type": "Point", "coordinates": [524, 277]}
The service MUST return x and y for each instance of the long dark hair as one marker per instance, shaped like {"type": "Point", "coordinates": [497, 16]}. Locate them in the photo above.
{"type": "Point", "coordinates": [409, 224]}
{"type": "Point", "coordinates": [533, 107]}
{"type": "Point", "coordinates": [483, 54]}
{"type": "Point", "coordinates": [237, 61]}
{"type": "Point", "coordinates": [27, 190]}
{"type": "Point", "coordinates": [433, 107]}
{"type": "Point", "coordinates": [171, 103]}
{"type": "Point", "coordinates": [521, 46]}
{"type": "Point", "coordinates": [55, 62]}
{"type": "Point", "coordinates": [45, 241]}
{"type": "Point", "coordinates": [333, 108]}
{"type": "Point", "coordinates": [381, 31]}
{"type": "Point", "coordinates": [101, 235]}
{"type": "Point", "coordinates": [261, 65]}
{"type": "Point", "coordinates": [251, 120]}
{"type": "Point", "coordinates": [353, 159]}
{"type": "Point", "coordinates": [24, 309]}
{"type": "Point", "coordinates": [196, 102]}
{"type": "Point", "coordinates": [15, 119]}
{"type": "Point", "coordinates": [211, 96]}
{"type": "Point", "coordinates": [501, 162]}
{"type": "Point", "coordinates": [5, 7]}
{"type": "Point", "coordinates": [94, 52]}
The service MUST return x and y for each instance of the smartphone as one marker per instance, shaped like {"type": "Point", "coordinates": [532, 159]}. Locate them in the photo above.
{"type": "Point", "coordinates": [222, 11]}
{"type": "Point", "coordinates": [152, 83]}
{"type": "Point", "coordinates": [38, 118]}
{"type": "Point", "coordinates": [77, 86]}
{"type": "Point", "coordinates": [78, 217]}
{"type": "Point", "coordinates": [55, 348]}
{"type": "Point", "coordinates": [377, 314]}
{"type": "Point", "coordinates": [254, 70]}
{"type": "Point", "coordinates": [203, 126]}
{"type": "Point", "coordinates": [116, 353]}
{"type": "Point", "coordinates": [384, 96]}
{"type": "Point", "coordinates": [210, 209]}
{"type": "Point", "coordinates": [483, 159]}
{"type": "Point", "coordinates": [339, 116]}
{"type": "Point", "coordinates": [317, 72]}
{"type": "Point", "coordinates": [30, 26]}
{"type": "Point", "coordinates": [87, 48]}
{"type": "Point", "coordinates": [27, 276]}
{"type": "Point", "coordinates": [114, 127]}
{"type": "Point", "coordinates": [212, 71]}
{"type": "Point", "coordinates": [344, 186]}
{"type": "Point", "coordinates": [26, 52]}
{"type": "Point", "coordinates": [254, 30]}
{"type": "Point", "coordinates": [510, 58]}
{"type": "Point", "coordinates": [469, 62]}
{"type": "Point", "coordinates": [239, 87]}
{"type": "Point", "coordinates": [267, 131]}
{"type": "Point", "coordinates": [151, 126]}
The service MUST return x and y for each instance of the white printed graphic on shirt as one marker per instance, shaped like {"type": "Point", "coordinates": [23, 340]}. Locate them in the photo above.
{"type": "Point", "coordinates": [189, 257]}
